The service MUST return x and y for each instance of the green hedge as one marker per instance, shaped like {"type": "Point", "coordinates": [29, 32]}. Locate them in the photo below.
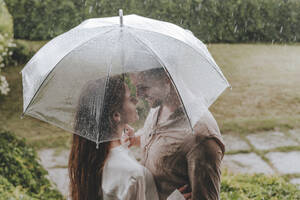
{"type": "Point", "coordinates": [257, 187]}
{"type": "Point", "coordinates": [20, 172]}
{"type": "Point", "coordinates": [210, 20]}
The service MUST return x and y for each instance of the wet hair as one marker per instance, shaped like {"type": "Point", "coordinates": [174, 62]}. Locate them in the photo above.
{"type": "Point", "coordinates": [86, 162]}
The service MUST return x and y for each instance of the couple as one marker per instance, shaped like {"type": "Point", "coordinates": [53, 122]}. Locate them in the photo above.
{"type": "Point", "coordinates": [173, 157]}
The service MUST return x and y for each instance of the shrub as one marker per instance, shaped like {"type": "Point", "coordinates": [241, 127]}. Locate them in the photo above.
{"type": "Point", "coordinates": [20, 170]}
{"type": "Point", "coordinates": [6, 43]}
{"type": "Point", "coordinates": [210, 20]}
{"type": "Point", "coordinates": [257, 187]}
{"type": "Point", "coordinates": [9, 191]}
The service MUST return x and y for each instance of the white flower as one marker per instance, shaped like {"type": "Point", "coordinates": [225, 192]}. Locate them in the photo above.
{"type": "Point", "coordinates": [10, 44]}
{"type": "Point", "coordinates": [10, 53]}
{"type": "Point", "coordinates": [3, 79]}
{"type": "Point", "coordinates": [2, 65]}
{"type": "Point", "coordinates": [4, 89]}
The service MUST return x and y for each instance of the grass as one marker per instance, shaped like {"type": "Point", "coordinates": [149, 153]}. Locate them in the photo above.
{"type": "Point", "coordinates": [265, 94]}
{"type": "Point", "coordinates": [257, 187]}
{"type": "Point", "coordinates": [265, 81]}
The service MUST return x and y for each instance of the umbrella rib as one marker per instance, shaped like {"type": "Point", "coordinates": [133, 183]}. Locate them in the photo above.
{"type": "Point", "coordinates": [167, 72]}
{"type": "Point", "coordinates": [101, 108]}
{"type": "Point", "coordinates": [36, 92]}
{"type": "Point", "coordinates": [181, 42]}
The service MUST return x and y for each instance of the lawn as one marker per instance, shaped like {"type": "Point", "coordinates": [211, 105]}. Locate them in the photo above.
{"type": "Point", "coordinates": [265, 81]}
{"type": "Point", "coordinates": [265, 95]}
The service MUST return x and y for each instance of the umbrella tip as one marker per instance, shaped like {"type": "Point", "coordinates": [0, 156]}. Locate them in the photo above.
{"type": "Point", "coordinates": [121, 17]}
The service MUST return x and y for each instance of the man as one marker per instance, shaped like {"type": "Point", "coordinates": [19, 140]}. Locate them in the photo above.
{"type": "Point", "coordinates": [171, 151]}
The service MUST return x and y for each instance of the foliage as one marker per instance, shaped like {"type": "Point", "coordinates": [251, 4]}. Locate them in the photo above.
{"type": "Point", "coordinates": [9, 191]}
{"type": "Point", "coordinates": [20, 171]}
{"type": "Point", "coordinates": [6, 43]}
{"type": "Point", "coordinates": [21, 53]}
{"type": "Point", "coordinates": [257, 187]}
{"type": "Point", "coordinates": [210, 20]}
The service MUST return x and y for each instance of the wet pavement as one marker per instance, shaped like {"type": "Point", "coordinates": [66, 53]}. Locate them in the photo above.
{"type": "Point", "coordinates": [266, 152]}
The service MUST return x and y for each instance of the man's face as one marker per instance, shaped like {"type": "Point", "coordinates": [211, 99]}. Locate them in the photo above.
{"type": "Point", "coordinates": [153, 90]}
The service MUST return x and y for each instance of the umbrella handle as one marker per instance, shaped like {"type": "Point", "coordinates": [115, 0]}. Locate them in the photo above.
{"type": "Point", "coordinates": [121, 17]}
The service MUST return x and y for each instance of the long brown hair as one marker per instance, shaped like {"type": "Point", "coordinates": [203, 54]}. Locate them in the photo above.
{"type": "Point", "coordinates": [85, 161]}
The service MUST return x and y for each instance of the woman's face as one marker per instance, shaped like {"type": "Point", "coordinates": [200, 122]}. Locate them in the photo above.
{"type": "Point", "coordinates": [130, 114]}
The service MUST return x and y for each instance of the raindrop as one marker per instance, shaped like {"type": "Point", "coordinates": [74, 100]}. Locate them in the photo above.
{"type": "Point", "coordinates": [235, 28]}
{"type": "Point", "coordinates": [91, 9]}
{"type": "Point", "coordinates": [295, 38]}
{"type": "Point", "coordinates": [199, 7]}
{"type": "Point", "coordinates": [281, 28]}
{"type": "Point", "coordinates": [181, 21]}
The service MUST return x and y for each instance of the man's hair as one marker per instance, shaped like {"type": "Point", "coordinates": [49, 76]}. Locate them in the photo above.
{"type": "Point", "coordinates": [155, 74]}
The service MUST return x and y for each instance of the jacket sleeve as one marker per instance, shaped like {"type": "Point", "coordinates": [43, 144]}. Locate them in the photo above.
{"type": "Point", "coordinates": [204, 162]}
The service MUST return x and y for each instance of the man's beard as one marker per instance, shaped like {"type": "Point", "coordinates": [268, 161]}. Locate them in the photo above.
{"type": "Point", "coordinates": [156, 103]}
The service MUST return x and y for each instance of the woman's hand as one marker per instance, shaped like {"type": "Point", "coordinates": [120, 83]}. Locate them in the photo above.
{"type": "Point", "coordinates": [130, 136]}
{"type": "Point", "coordinates": [185, 192]}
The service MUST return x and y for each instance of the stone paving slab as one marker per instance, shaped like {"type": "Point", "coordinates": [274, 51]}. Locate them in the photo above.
{"type": "Point", "coordinates": [48, 158]}
{"type": "Point", "coordinates": [285, 162]}
{"type": "Point", "coordinates": [270, 140]}
{"type": "Point", "coordinates": [246, 163]}
{"type": "Point", "coordinates": [296, 134]}
{"type": "Point", "coordinates": [296, 181]}
{"type": "Point", "coordinates": [235, 143]}
{"type": "Point", "coordinates": [59, 176]}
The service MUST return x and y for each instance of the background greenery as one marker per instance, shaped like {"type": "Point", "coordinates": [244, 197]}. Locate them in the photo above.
{"type": "Point", "coordinates": [211, 20]}
{"type": "Point", "coordinates": [20, 172]}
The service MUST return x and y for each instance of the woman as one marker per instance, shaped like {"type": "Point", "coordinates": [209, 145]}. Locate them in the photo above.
{"type": "Point", "coordinates": [108, 172]}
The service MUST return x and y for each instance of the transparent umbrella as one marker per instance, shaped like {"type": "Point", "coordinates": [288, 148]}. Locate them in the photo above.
{"type": "Point", "coordinates": [74, 70]}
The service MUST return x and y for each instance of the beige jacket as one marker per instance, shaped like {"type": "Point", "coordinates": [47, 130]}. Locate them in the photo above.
{"type": "Point", "coordinates": [175, 156]}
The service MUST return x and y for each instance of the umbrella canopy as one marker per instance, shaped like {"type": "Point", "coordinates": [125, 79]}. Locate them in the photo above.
{"type": "Point", "coordinates": [99, 48]}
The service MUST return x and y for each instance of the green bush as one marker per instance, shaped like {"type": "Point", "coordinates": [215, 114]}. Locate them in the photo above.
{"type": "Point", "coordinates": [9, 191]}
{"type": "Point", "coordinates": [21, 53]}
{"type": "Point", "coordinates": [257, 187]}
{"type": "Point", "coordinates": [6, 43]}
{"type": "Point", "coordinates": [210, 20]}
{"type": "Point", "coordinates": [20, 170]}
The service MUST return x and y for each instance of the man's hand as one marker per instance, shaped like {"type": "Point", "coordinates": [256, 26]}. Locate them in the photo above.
{"type": "Point", "coordinates": [185, 192]}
